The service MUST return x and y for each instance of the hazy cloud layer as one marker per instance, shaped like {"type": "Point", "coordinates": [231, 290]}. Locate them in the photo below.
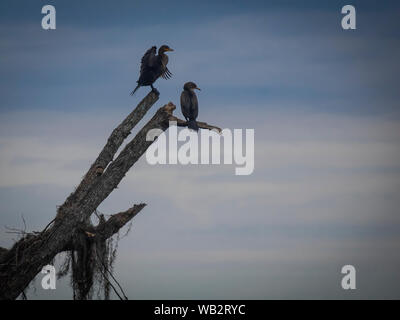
{"type": "Point", "coordinates": [314, 202]}
{"type": "Point", "coordinates": [324, 106]}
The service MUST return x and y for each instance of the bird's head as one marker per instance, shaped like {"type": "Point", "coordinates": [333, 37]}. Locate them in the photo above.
{"type": "Point", "coordinates": [164, 48]}
{"type": "Point", "coordinates": [190, 86]}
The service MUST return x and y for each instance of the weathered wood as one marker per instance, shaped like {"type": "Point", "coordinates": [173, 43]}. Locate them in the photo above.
{"type": "Point", "coordinates": [3, 251]}
{"type": "Point", "coordinates": [115, 140]}
{"type": "Point", "coordinates": [20, 264]}
{"type": "Point", "coordinates": [110, 227]}
{"type": "Point", "coordinates": [201, 125]}
{"type": "Point", "coordinates": [106, 229]}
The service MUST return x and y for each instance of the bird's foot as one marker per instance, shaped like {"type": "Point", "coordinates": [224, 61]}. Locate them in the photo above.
{"type": "Point", "coordinates": [155, 91]}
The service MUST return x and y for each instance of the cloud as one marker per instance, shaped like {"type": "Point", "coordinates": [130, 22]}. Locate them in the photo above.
{"type": "Point", "coordinates": [325, 190]}
{"type": "Point", "coordinates": [315, 159]}
{"type": "Point", "coordinates": [305, 59]}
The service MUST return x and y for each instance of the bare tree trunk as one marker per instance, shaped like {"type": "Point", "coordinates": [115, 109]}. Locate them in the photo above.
{"type": "Point", "coordinates": [20, 264]}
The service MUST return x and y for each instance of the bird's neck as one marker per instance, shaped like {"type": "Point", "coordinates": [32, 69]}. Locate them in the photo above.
{"type": "Point", "coordinates": [163, 58]}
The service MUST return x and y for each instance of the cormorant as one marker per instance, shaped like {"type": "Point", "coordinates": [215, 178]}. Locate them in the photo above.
{"type": "Point", "coordinates": [190, 105]}
{"type": "Point", "coordinates": [153, 66]}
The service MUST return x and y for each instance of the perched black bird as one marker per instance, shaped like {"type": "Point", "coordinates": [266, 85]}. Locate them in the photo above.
{"type": "Point", "coordinates": [190, 105]}
{"type": "Point", "coordinates": [153, 66]}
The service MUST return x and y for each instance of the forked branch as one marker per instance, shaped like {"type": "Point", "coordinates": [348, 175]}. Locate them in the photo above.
{"type": "Point", "coordinates": [20, 264]}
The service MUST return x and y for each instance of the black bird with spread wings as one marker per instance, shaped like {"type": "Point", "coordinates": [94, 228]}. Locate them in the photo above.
{"type": "Point", "coordinates": [190, 105]}
{"type": "Point", "coordinates": [153, 66]}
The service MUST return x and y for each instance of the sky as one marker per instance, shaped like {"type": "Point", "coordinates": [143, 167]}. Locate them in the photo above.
{"type": "Point", "coordinates": [323, 102]}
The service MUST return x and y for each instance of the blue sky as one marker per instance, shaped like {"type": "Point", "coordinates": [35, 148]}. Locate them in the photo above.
{"type": "Point", "coordinates": [323, 103]}
{"type": "Point", "coordinates": [234, 49]}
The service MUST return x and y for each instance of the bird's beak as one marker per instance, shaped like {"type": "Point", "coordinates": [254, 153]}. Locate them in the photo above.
{"type": "Point", "coordinates": [198, 88]}
{"type": "Point", "coordinates": [169, 49]}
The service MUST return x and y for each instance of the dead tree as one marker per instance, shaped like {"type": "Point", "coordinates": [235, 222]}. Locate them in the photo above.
{"type": "Point", "coordinates": [71, 226]}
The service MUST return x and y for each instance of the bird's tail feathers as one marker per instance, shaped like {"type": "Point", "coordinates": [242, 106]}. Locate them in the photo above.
{"type": "Point", "coordinates": [192, 124]}
{"type": "Point", "coordinates": [133, 92]}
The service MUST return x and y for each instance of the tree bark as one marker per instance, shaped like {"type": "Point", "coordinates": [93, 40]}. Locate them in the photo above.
{"type": "Point", "coordinates": [20, 264]}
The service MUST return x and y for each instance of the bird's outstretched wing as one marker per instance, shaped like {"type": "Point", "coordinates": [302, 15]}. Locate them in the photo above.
{"type": "Point", "coordinates": [149, 59]}
{"type": "Point", "coordinates": [166, 74]}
